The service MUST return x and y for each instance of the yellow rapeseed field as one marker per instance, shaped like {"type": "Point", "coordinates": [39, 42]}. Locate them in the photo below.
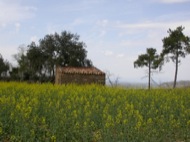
{"type": "Point", "coordinates": [92, 113]}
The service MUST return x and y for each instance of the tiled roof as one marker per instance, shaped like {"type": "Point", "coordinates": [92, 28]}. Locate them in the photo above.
{"type": "Point", "coordinates": [82, 70]}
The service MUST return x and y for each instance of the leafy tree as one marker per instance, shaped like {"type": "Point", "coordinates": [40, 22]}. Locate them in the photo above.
{"type": "Point", "coordinates": [49, 50]}
{"type": "Point", "coordinates": [63, 50]}
{"type": "Point", "coordinates": [14, 74]}
{"type": "Point", "coordinates": [151, 60]}
{"type": "Point", "coordinates": [4, 66]}
{"type": "Point", "coordinates": [53, 50]}
{"type": "Point", "coordinates": [21, 58]}
{"type": "Point", "coordinates": [176, 45]}
{"type": "Point", "coordinates": [36, 60]}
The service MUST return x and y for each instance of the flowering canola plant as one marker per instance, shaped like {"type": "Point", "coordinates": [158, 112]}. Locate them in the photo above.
{"type": "Point", "coordinates": [92, 113]}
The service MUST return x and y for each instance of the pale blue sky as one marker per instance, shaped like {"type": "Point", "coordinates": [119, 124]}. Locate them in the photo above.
{"type": "Point", "coordinates": [115, 32]}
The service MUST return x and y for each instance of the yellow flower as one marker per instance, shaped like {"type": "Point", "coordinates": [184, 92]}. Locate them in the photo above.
{"type": "Point", "coordinates": [1, 131]}
{"type": "Point", "coordinates": [149, 121]}
{"type": "Point", "coordinates": [97, 136]}
{"type": "Point", "coordinates": [138, 125]}
{"type": "Point", "coordinates": [43, 120]}
{"type": "Point", "coordinates": [75, 114]}
{"type": "Point", "coordinates": [188, 123]}
{"type": "Point", "coordinates": [125, 121]}
{"type": "Point", "coordinates": [32, 132]}
{"type": "Point", "coordinates": [53, 138]}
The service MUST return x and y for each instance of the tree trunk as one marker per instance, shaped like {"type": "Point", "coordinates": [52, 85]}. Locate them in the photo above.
{"type": "Point", "coordinates": [149, 73]}
{"type": "Point", "coordinates": [53, 77]}
{"type": "Point", "coordinates": [176, 70]}
{"type": "Point", "coordinates": [53, 71]}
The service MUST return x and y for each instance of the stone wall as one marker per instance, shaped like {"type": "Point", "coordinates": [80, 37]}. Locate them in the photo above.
{"type": "Point", "coordinates": [82, 79]}
{"type": "Point", "coordinates": [58, 75]}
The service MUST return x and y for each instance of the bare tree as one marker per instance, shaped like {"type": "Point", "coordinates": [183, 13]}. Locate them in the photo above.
{"type": "Point", "coordinates": [112, 79]}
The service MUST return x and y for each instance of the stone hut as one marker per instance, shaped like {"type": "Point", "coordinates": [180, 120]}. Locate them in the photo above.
{"type": "Point", "coordinates": [79, 75]}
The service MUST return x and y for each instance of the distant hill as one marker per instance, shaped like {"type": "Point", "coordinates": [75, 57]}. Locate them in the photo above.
{"type": "Point", "coordinates": [162, 85]}
{"type": "Point", "coordinates": [179, 84]}
{"type": "Point", "coordinates": [132, 85]}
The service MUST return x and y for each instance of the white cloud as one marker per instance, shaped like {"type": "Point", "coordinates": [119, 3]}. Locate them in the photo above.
{"type": "Point", "coordinates": [108, 53]}
{"type": "Point", "coordinates": [81, 5]}
{"type": "Point", "coordinates": [155, 25]}
{"type": "Point", "coordinates": [2, 25]}
{"type": "Point", "coordinates": [52, 28]}
{"type": "Point", "coordinates": [102, 23]}
{"type": "Point", "coordinates": [34, 39]}
{"type": "Point", "coordinates": [111, 53]}
{"type": "Point", "coordinates": [77, 22]}
{"type": "Point", "coordinates": [102, 33]}
{"type": "Point", "coordinates": [173, 1]}
{"type": "Point", "coordinates": [147, 34]}
{"type": "Point", "coordinates": [121, 55]}
{"type": "Point", "coordinates": [14, 12]}
{"type": "Point", "coordinates": [17, 26]}
{"type": "Point", "coordinates": [8, 53]}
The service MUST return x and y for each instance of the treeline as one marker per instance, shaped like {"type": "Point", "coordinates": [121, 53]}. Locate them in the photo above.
{"type": "Point", "coordinates": [37, 62]}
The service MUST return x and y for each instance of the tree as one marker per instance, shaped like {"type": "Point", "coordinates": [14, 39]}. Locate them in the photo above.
{"type": "Point", "coordinates": [49, 48]}
{"type": "Point", "coordinates": [36, 60]}
{"type": "Point", "coordinates": [53, 50]}
{"type": "Point", "coordinates": [23, 63]}
{"type": "Point", "coordinates": [176, 45]}
{"type": "Point", "coordinates": [63, 50]}
{"type": "Point", "coordinates": [151, 60]}
{"type": "Point", "coordinates": [111, 79]}
{"type": "Point", "coordinates": [4, 66]}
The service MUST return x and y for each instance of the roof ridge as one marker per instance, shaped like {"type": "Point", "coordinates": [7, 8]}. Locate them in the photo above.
{"type": "Point", "coordinates": [81, 70]}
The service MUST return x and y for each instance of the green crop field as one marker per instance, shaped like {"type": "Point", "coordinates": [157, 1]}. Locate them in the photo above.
{"type": "Point", "coordinates": [92, 113]}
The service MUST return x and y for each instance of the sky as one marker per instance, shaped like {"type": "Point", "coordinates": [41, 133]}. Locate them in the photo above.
{"type": "Point", "coordinates": [115, 32]}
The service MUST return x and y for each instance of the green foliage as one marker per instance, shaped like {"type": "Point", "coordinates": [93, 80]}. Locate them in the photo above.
{"type": "Point", "coordinates": [92, 113]}
{"type": "Point", "coordinates": [151, 60]}
{"type": "Point", "coordinates": [39, 61]}
{"type": "Point", "coordinates": [4, 67]}
{"type": "Point", "coordinates": [64, 49]}
{"type": "Point", "coordinates": [176, 45]}
{"type": "Point", "coordinates": [14, 74]}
